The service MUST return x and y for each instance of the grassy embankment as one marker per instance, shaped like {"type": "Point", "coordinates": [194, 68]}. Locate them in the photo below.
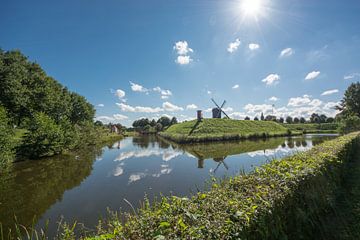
{"type": "Point", "coordinates": [285, 199]}
{"type": "Point", "coordinates": [313, 127]}
{"type": "Point", "coordinates": [222, 129]}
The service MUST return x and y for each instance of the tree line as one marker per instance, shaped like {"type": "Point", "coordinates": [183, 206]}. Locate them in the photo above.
{"type": "Point", "coordinates": [146, 126]}
{"type": "Point", "coordinates": [314, 118]}
{"type": "Point", "coordinates": [53, 118]}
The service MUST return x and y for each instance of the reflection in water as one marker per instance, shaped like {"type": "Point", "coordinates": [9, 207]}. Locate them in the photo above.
{"type": "Point", "coordinates": [83, 187]}
{"type": "Point", "coordinates": [31, 187]}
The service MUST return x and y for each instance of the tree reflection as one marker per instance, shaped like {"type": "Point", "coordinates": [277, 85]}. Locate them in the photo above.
{"type": "Point", "coordinates": [31, 187]}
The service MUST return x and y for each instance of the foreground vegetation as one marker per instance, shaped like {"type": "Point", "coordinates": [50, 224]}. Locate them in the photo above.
{"type": "Point", "coordinates": [222, 129]}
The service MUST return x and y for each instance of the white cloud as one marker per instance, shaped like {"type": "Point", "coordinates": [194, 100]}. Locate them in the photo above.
{"type": "Point", "coordinates": [287, 52]}
{"type": "Point", "coordinates": [329, 92]}
{"type": "Point", "coordinates": [120, 117]}
{"type": "Point", "coordinates": [233, 46]}
{"type": "Point", "coordinates": [191, 107]}
{"type": "Point", "coordinates": [236, 86]}
{"type": "Point", "coordinates": [128, 108]}
{"type": "Point", "coordinates": [137, 88]}
{"type": "Point", "coordinates": [299, 101]}
{"type": "Point", "coordinates": [171, 107]}
{"type": "Point", "coordinates": [271, 79]}
{"type": "Point", "coordinates": [254, 46]}
{"type": "Point", "coordinates": [120, 93]}
{"type": "Point", "coordinates": [237, 115]}
{"type": "Point", "coordinates": [312, 75]}
{"type": "Point", "coordinates": [182, 48]}
{"type": "Point", "coordinates": [315, 103]}
{"type": "Point", "coordinates": [331, 105]}
{"type": "Point", "coordinates": [265, 108]}
{"type": "Point", "coordinates": [183, 60]}
{"type": "Point", "coordinates": [101, 105]}
{"type": "Point", "coordinates": [209, 92]}
{"type": "Point", "coordinates": [351, 76]}
{"type": "Point", "coordinates": [273, 99]}
{"type": "Point", "coordinates": [228, 109]}
{"type": "Point", "coordinates": [165, 94]}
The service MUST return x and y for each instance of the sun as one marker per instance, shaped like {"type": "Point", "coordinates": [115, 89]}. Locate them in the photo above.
{"type": "Point", "coordinates": [251, 7]}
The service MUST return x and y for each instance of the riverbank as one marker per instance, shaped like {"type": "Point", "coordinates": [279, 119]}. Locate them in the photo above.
{"type": "Point", "coordinates": [278, 200]}
{"type": "Point", "coordinates": [313, 127]}
{"type": "Point", "coordinates": [209, 130]}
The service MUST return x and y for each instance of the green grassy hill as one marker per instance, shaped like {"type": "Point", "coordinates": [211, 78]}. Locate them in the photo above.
{"type": "Point", "coordinates": [222, 129]}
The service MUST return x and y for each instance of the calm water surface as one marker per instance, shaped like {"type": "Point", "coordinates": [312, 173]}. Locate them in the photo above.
{"type": "Point", "coordinates": [83, 185]}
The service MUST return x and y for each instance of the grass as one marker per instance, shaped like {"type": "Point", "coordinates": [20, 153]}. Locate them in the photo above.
{"type": "Point", "coordinates": [222, 129]}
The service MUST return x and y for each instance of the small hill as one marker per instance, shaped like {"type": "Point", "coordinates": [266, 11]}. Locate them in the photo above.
{"type": "Point", "coordinates": [222, 129]}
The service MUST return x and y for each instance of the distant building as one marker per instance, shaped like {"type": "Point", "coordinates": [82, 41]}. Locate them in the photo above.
{"type": "Point", "coordinates": [216, 113]}
{"type": "Point", "coordinates": [114, 129]}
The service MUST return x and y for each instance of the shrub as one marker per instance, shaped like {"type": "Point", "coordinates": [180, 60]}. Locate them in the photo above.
{"type": "Point", "coordinates": [44, 138]}
{"type": "Point", "coordinates": [7, 143]}
{"type": "Point", "coordinates": [350, 124]}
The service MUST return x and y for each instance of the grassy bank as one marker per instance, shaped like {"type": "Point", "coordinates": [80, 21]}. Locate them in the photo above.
{"type": "Point", "coordinates": [284, 199]}
{"type": "Point", "coordinates": [222, 129]}
{"type": "Point", "coordinates": [313, 127]}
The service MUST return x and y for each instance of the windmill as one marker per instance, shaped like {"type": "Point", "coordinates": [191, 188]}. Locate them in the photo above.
{"type": "Point", "coordinates": [218, 110]}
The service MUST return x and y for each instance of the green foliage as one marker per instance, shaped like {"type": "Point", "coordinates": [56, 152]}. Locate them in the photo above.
{"type": "Point", "coordinates": [25, 90]}
{"type": "Point", "coordinates": [350, 104]}
{"type": "Point", "coordinates": [313, 127]}
{"type": "Point", "coordinates": [45, 138]}
{"type": "Point", "coordinates": [222, 129]}
{"type": "Point", "coordinates": [7, 142]}
{"type": "Point", "coordinates": [276, 201]}
{"type": "Point", "coordinates": [350, 124]}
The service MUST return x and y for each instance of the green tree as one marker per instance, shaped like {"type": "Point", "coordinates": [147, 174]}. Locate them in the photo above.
{"type": "Point", "coordinates": [350, 124]}
{"type": "Point", "coordinates": [6, 140]}
{"type": "Point", "coordinates": [173, 121]}
{"type": "Point", "coordinates": [350, 104]}
{"type": "Point", "coordinates": [45, 138]}
{"type": "Point", "coordinates": [289, 119]}
{"type": "Point", "coordinates": [158, 127]}
{"type": "Point", "coordinates": [165, 121]}
{"type": "Point", "coordinates": [296, 120]}
{"type": "Point", "coordinates": [302, 120]}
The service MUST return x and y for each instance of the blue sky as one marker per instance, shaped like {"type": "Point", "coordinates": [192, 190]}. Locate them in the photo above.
{"type": "Point", "coordinates": [143, 58]}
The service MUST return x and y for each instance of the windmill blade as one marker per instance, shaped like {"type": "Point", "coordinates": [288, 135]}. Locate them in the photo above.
{"type": "Point", "coordinates": [222, 105]}
{"type": "Point", "coordinates": [215, 103]}
{"type": "Point", "coordinates": [224, 113]}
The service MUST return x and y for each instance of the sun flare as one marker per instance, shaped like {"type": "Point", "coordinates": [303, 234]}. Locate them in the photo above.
{"type": "Point", "coordinates": [251, 7]}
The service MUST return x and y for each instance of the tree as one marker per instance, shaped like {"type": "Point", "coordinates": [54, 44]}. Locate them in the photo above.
{"type": "Point", "coordinates": [256, 119]}
{"type": "Point", "coordinates": [296, 120]}
{"type": "Point", "coordinates": [81, 110]}
{"type": "Point", "coordinates": [45, 138]}
{"type": "Point", "coordinates": [262, 117]}
{"type": "Point", "coordinates": [350, 104]}
{"type": "Point", "coordinates": [302, 120]}
{"type": "Point", "coordinates": [289, 119]}
{"type": "Point", "coordinates": [247, 118]}
{"type": "Point", "coordinates": [6, 140]}
{"type": "Point", "coordinates": [330, 120]}
{"type": "Point", "coordinates": [281, 120]}
{"type": "Point", "coordinates": [350, 124]}
{"type": "Point", "coordinates": [315, 118]}
{"type": "Point", "coordinates": [322, 118]}
{"type": "Point", "coordinates": [270, 118]}
{"type": "Point", "coordinates": [158, 127]}
{"type": "Point", "coordinates": [153, 123]}
{"type": "Point", "coordinates": [165, 121]}
{"type": "Point", "coordinates": [173, 121]}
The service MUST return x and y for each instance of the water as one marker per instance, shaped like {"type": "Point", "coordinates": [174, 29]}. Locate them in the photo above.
{"type": "Point", "coordinates": [82, 186]}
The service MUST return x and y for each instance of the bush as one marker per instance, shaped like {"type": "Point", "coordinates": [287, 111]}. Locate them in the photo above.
{"type": "Point", "coordinates": [7, 143]}
{"type": "Point", "coordinates": [44, 138]}
{"type": "Point", "coordinates": [350, 124]}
